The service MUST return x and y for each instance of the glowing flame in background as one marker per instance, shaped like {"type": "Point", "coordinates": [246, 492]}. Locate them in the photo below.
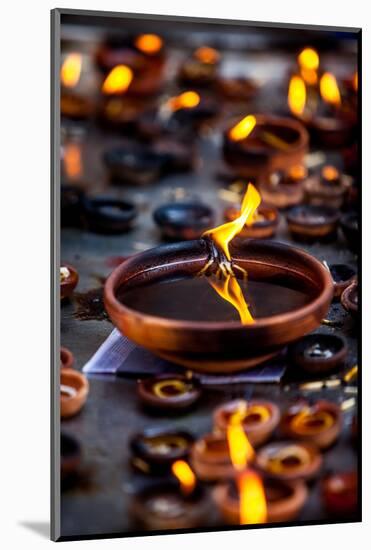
{"type": "Point", "coordinates": [253, 504]}
{"type": "Point", "coordinates": [308, 61]}
{"type": "Point", "coordinates": [329, 89]}
{"type": "Point", "coordinates": [243, 128]}
{"type": "Point", "coordinates": [330, 173]}
{"type": "Point", "coordinates": [118, 80]}
{"type": "Point", "coordinates": [185, 475]}
{"type": "Point", "coordinates": [72, 160]}
{"type": "Point", "coordinates": [186, 100]}
{"type": "Point", "coordinates": [297, 95]}
{"type": "Point", "coordinates": [149, 43]}
{"type": "Point", "coordinates": [71, 70]}
{"type": "Point", "coordinates": [229, 289]}
{"type": "Point", "coordinates": [207, 55]}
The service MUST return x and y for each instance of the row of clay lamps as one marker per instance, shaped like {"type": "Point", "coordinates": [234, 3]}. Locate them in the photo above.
{"type": "Point", "coordinates": [74, 386]}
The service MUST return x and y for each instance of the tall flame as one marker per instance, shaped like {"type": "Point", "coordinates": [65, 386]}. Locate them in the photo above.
{"type": "Point", "coordinates": [240, 448]}
{"type": "Point", "coordinates": [186, 100]}
{"type": "Point", "coordinates": [184, 474]}
{"type": "Point", "coordinates": [72, 160]}
{"type": "Point", "coordinates": [297, 95]}
{"type": "Point", "coordinates": [243, 128]}
{"type": "Point", "coordinates": [230, 290]}
{"type": "Point", "coordinates": [223, 234]}
{"type": "Point", "coordinates": [149, 43]}
{"type": "Point", "coordinates": [118, 80]}
{"type": "Point", "coordinates": [308, 60]}
{"type": "Point", "coordinates": [253, 504]}
{"type": "Point", "coordinates": [329, 89]}
{"type": "Point", "coordinates": [71, 70]}
{"type": "Point", "coordinates": [207, 55]}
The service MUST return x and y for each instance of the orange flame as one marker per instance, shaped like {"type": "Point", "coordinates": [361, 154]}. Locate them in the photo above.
{"type": "Point", "coordinates": [243, 128]}
{"type": "Point", "coordinates": [253, 504]}
{"type": "Point", "coordinates": [118, 80]}
{"type": "Point", "coordinates": [355, 81]}
{"type": "Point", "coordinates": [329, 89]}
{"type": "Point", "coordinates": [71, 70]}
{"type": "Point", "coordinates": [230, 290]}
{"type": "Point", "coordinates": [207, 55]}
{"type": "Point", "coordinates": [223, 234]}
{"type": "Point", "coordinates": [72, 160]}
{"type": "Point", "coordinates": [330, 173]}
{"type": "Point", "coordinates": [297, 95]}
{"type": "Point", "coordinates": [149, 43]}
{"type": "Point", "coordinates": [240, 448]}
{"type": "Point", "coordinates": [308, 59]}
{"type": "Point", "coordinates": [297, 172]}
{"type": "Point", "coordinates": [186, 100]}
{"type": "Point", "coordinates": [184, 474]}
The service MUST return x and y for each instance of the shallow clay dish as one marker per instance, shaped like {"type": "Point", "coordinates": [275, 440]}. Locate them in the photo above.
{"type": "Point", "coordinates": [74, 392]}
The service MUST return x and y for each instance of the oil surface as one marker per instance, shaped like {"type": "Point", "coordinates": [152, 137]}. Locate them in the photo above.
{"type": "Point", "coordinates": [194, 299]}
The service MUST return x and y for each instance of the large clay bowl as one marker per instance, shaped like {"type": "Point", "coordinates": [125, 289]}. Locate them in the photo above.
{"type": "Point", "coordinates": [219, 346]}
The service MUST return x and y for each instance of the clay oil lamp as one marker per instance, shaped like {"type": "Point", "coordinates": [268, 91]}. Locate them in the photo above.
{"type": "Point", "coordinates": [74, 392]}
{"type": "Point", "coordinates": [284, 501]}
{"type": "Point", "coordinates": [201, 68]}
{"type": "Point", "coordinates": [238, 88]}
{"type": "Point", "coordinates": [309, 223]}
{"type": "Point", "coordinates": [176, 503]}
{"type": "Point", "coordinates": [210, 458]}
{"type": "Point", "coordinates": [321, 111]}
{"type": "Point", "coordinates": [258, 145]}
{"type": "Point", "coordinates": [177, 155]}
{"type": "Point", "coordinates": [343, 275]}
{"type": "Point", "coordinates": [340, 494]}
{"type": "Point", "coordinates": [319, 353]}
{"type": "Point", "coordinates": [109, 215]}
{"type": "Point", "coordinates": [319, 424]}
{"type": "Point", "coordinates": [169, 392]}
{"type": "Point", "coordinates": [155, 450]}
{"type": "Point", "coordinates": [73, 103]}
{"type": "Point", "coordinates": [264, 224]}
{"type": "Point", "coordinates": [68, 280]}
{"type": "Point", "coordinates": [285, 189]}
{"type": "Point", "coordinates": [71, 456]}
{"type": "Point", "coordinates": [349, 299]}
{"type": "Point", "coordinates": [182, 302]}
{"type": "Point", "coordinates": [133, 163]}
{"type": "Point", "coordinates": [258, 418]}
{"type": "Point", "coordinates": [67, 358]}
{"type": "Point", "coordinates": [328, 189]}
{"type": "Point", "coordinates": [289, 461]}
{"type": "Point", "coordinates": [180, 221]}
{"type": "Point", "coordinates": [350, 229]}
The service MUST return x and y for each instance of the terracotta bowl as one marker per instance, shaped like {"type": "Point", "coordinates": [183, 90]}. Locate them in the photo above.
{"type": "Point", "coordinates": [67, 358]}
{"type": "Point", "coordinates": [302, 460]}
{"type": "Point", "coordinates": [284, 501]}
{"type": "Point", "coordinates": [257, 428]}
{"type": "Point", "coordinates": [210, 458]}
{"type": "Point", "coordinates": [68, 284]}
{"type": "Point", "coordinates": [219, 346]}
{"type": "Point", "coordinates": [349, 299]}
{"type": "Point", "coordinates": [319, 353]}
{"type": "Point", "coordinates": [75, 394]}
{"type": "Point", "coordinates": [313, 430]}
{"type": "Point", "coordinates": [169, 392]}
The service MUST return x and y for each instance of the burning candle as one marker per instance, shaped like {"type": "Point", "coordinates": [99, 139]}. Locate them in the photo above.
{"type": "Point", "coordinates": [319, 424]}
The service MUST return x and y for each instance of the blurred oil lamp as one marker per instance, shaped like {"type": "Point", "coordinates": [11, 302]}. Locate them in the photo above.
{"type": "Point", "coordinates": [258, 145]}
{"type": "Point", "coordinates": [340, 494]}
{"type": "Point", "coordinates": [178, 503]}
{"type": "Point", "coordinates": [193, 304]}
{"type": "Point", "coordinates": [343, 275]}
{"type": "Point", "coordinates": [179, 221]}
{"type": "Point", "coordinates": [155, 450]}
{"type": "Point", "coordinates": [210, 458]}
{"type": "Point", "coordinates": [289, 461]}
{"type": "Point", "coordinates": [319, 353]}
{"type": "Point", "coordinates": [258, 418]}
{"type": "Point", "coordinates": [169, 392]}
{"type": "Point", "coordinates": [284, 501]}
{"type": "Point", "coordinates": [73, 103]}
{"type": "Point", "coordinates": [238, 88]}
{"type": "Point", "coordinates": [69, 278]}
{"type": "Point", "coordinates": [308, 62]}
{"type": "Point", "coordinates": [67, 358]}
{"type": "Point", "coordinates": [74, 389]}
{"type": "Point", "coordinates": [350, 229]}
{"type": "Point", "coordinates": [311, 223]}
{"type": "Point", "coordinates": [349, 299]}
{"type": "Point", "coordinates": [318, 424]}
{"type": "Point", "coordinates": [108, 215]}
{"type": "Point", "coordinates": [328, 188]}
{"type": "Point", "coordinates": [263, 225]}
{"type": "Point", "coordinates": [285, 189]}
{"type": "Point", "coordinates": [200, 69]}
